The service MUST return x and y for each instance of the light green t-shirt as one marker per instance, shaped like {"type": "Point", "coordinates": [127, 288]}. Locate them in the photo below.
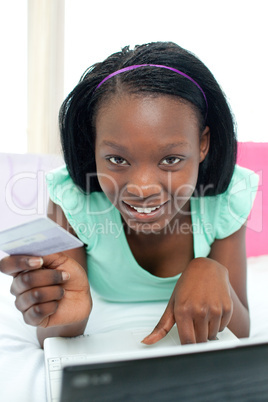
{"type": "Point", "coordinates": [113, 271]}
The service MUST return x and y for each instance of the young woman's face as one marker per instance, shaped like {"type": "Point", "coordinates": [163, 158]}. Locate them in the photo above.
{"type": "Point", "coordinates": [148, 151]}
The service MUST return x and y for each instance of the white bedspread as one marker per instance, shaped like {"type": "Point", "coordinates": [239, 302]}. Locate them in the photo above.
{"type": "Point", "coordinates": [22, 373]}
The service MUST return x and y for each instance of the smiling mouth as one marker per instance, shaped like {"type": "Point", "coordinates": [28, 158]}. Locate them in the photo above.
{"type": "Point", "coordinates": [146, 210]}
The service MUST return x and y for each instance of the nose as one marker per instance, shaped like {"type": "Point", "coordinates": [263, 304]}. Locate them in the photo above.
{"type": "Point", "coordinates": [143, 185]}
{"type": "Point", "coordinates": [143, 191]}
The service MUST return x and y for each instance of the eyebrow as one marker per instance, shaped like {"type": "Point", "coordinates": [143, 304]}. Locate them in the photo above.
{"type": "Point", "coordinates": [114, 145]}
{"type": "Point", "coordinates": [163, 148]}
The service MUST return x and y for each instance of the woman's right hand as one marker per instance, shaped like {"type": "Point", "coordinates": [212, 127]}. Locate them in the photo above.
{"type": "Point", "coordinates": [50, 291]}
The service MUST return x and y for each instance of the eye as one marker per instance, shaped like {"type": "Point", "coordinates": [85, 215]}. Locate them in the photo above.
{"type": "Point", "coordinates": [170, 161]}
{"type": "Point", "coordinates": [117, 160]}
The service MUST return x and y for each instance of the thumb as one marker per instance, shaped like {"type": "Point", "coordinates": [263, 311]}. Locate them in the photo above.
{"type": "Point", "coordinates": [161, 329]}
{"type": "Point", "coordinates": [54, 261]}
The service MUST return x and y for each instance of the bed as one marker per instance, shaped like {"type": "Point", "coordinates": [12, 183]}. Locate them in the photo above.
{"type": "Point", "coordinates": [23, 197]}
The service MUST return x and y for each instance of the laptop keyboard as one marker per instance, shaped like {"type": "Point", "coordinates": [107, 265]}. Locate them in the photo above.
{"type": "Point", "coordinates": [55, 366]}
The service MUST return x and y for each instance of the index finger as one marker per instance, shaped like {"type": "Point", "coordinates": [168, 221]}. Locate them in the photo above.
{"type": "Point", "coordinates": [162, 328]}
{"type": "Point", "coordinates": [14, 264]}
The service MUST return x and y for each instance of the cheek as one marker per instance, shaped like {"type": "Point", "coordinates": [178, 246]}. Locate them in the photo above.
{"type": "Point", "coordinates": [106, 180]}
{"type": "Point", "coordinates": [110, 182]}
{"type": "Point", "coordinates": [109, 186]}
{"type": "Point", "coordinates": [107, 183]}
{"type": "Point", "coordinates": [185, 182]}
{"type": "Point", "coordinates": [181, 195]}
{"type": "Point", "coordinates": [183, 185]}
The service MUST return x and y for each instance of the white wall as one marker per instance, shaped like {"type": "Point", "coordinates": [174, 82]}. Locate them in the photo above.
{"type": "Point", "coordinates": [13, 76]}
{"type": "Point", "coordinates": [229, 36]}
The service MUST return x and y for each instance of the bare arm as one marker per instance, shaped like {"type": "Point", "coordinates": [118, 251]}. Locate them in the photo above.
{"type": "Point", "coordinates": [210, 295]}
{"type": "Point", "coordinates": [56, 214]}
{"type": "Point", "coordinates": [51, 292]}
{"type": "Point", "coordinates": [231, 253]}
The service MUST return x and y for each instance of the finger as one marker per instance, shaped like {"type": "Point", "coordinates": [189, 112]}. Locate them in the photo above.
{"type": "Point", "coordinates": [201, 329]}
{"type": "Point", "coordinates": [162, 328]}
{"type": "Point", "coordinates": [39, 314]}
{"type": "Point", "coordinates": [226, 316]}
{"type": "Point", "coordinates": [12, 265]}
{"type": "Point", "coordinates": [54, 261]}
{"type": "Point", "coordinates": [214, 327]}
{"type": "Point", "coordinates": [37, 279]}
{"type": "Point", "coordinates": [61, 261]}
{"type": "Point", "coordinates": [186, 330]}
{"type": "Point", "coordinates": [38, 296]}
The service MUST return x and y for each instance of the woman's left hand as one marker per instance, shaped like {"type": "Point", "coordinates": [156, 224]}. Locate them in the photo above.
{"type": "Point", "coordinates": [200, 305]}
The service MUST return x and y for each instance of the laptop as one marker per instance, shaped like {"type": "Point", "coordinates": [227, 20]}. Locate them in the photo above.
{"type": "Point", "coordinates": [108, 365]}
{"type": "Point", "coordinates": [234, 374]}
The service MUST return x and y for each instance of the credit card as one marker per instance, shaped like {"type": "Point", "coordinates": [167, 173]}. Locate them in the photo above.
{"type": "Point", "coordinates": [38, 237]}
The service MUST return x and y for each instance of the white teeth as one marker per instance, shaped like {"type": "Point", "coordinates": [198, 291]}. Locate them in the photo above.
{"type": "Point", "coordinates": [145, 210]}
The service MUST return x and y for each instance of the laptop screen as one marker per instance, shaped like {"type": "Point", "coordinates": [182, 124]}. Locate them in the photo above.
{"type": "Point", "coordinates": [236, 374]}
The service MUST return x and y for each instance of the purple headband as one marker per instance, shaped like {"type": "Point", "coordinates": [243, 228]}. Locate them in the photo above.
{"type": "Point", "coordinates": [129, 68]}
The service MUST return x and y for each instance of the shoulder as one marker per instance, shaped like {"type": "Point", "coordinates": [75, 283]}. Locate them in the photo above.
{"type": "Point", "coordinates": [244, 180]}
{"type": "Point", "coordinates": [80, 208]}
{"type": "Point", "coordinates": [238, 199]}
{"type": "Point", "coordinates": [62, 188]}
{"type": "Point", "coordinates": [236, 202]}
{"type": "Point", "coordinates": [228, 211]}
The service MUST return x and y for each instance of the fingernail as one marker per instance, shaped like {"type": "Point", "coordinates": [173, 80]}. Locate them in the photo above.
{"type": "Point", "coordinates": [145, 339]}
{"type": "Point", "coordinates": [65, 276]}
{"type": "Point", "coordinates": [35, 262]}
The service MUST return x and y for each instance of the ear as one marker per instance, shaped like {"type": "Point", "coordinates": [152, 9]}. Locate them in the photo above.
{"type": "Point", "coordinates": [204, 144]}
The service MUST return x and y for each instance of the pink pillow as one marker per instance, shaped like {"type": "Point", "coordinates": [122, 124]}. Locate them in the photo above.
{"type": "Point", "coordinates": [254, 156]}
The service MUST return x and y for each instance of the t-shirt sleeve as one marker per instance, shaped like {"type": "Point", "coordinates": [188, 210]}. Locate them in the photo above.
{"type": "Point", "coordinates": [236, 203]}
{"type": "Point", "coordinates": [63, 192]}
